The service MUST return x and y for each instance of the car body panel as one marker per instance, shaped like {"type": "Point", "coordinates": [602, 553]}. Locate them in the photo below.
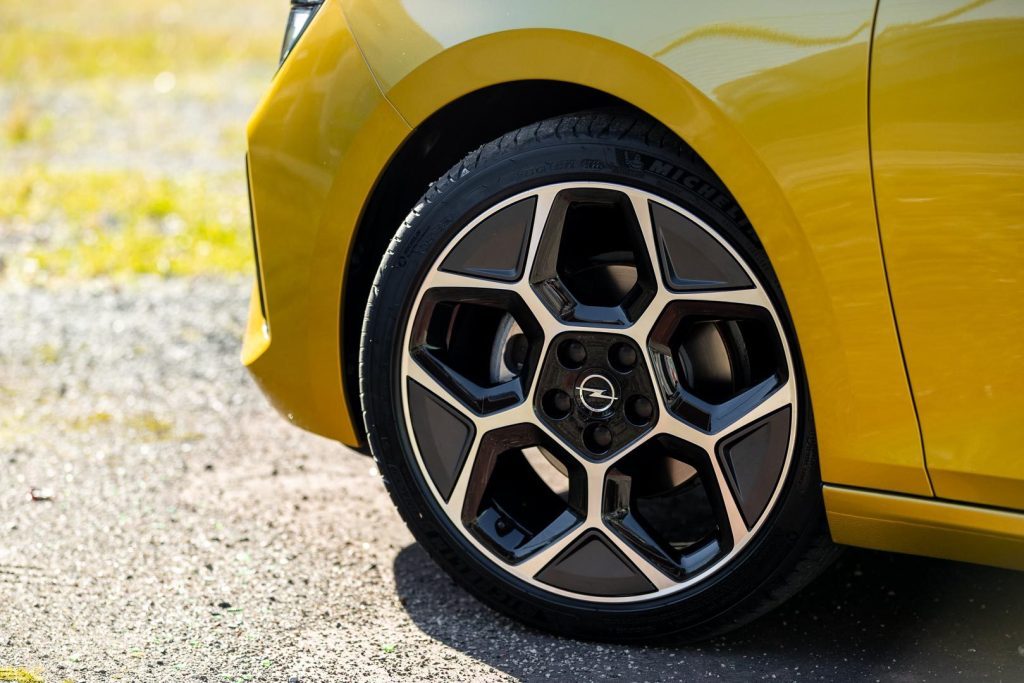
{"type": "Point", "coordinates": [947, 127]}
{"type": "Point", "coordinates": [775, 102]}
{"type": "Point", "coordinates": [924, 526]}
{"type": "Point", "coordinates": [317, 143]}
{"type": "Point", "coordinates": [774, 96]}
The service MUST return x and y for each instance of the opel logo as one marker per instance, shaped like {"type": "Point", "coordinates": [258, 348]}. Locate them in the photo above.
{"type": "Point", "coordinates": [597, 393]}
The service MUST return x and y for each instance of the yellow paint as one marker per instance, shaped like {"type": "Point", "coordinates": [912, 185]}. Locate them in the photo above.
{"type": "Point", "coordinates": [760, 34]}
{"type": "Point", "coordinates": [779, 112]}
{"type": "Point", "coordinates": [322, 109]}
{"type": "Point", "coordinates": [783, 122]}
{"type": "Point", "coordinates": [926, 527]}
{"type": "Point", "coordinates": [948, 134]}
{"type": "Point", "coordinates": [775, 100]}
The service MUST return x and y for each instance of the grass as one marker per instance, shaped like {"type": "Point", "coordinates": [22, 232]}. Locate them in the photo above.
{"type": "Point", "coordinates": [119, 224]}
{"type": "Point", "coordinates": [112, 221]}
{"type": "Point", "coordinates": [50, 40]}
{"type": "Point", "coordinates": [67, 56]}
{"type": "Point", "coordinates": [18, 675]}
{"type": "Point", "coordinates": [48, 353]}
{"type": "Point", "coordinates": [147, 425]}
{"type": "Point", "coordinates": [22, 125]}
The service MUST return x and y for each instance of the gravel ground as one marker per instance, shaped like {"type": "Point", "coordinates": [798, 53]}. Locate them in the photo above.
{"type": "Point", "coordinates": [195, 127]}
{"type": "Point", "coordinates": [183, 531]}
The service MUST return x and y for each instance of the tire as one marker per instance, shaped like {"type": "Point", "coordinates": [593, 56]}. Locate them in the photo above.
{"type": "Point", "coordinates": [681, 537]}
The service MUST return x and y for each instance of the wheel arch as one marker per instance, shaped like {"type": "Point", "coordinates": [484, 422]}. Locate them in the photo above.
{"type": "Point", "coordinates": [434, 146]}
{"type": "Point", "coordinates": [803, 183]}
{"type": "Point", "coordinates": [477, 90]}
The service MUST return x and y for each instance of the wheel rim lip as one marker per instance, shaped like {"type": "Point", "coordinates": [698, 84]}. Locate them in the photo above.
{"type": "Point", "coordinates": [437, 501]}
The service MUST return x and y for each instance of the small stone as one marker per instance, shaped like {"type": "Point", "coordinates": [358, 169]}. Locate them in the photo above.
{"type": "Point", "coordinates": [38, 494]}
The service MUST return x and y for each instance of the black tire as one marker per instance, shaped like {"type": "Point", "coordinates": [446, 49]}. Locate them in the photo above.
{"type": "Point", "coordinates": [793, 544]}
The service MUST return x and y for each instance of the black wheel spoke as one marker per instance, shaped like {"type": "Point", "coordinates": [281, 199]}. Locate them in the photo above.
{"type": "Point", "coordinates": [592, 264]}
{"type": "Point", "coordinates": [482, 345]}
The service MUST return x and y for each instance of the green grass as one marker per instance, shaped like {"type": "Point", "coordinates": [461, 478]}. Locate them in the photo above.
{"type": "Point", "coordinates": [47, 40]}
{"type": "Point", "coordinates": [18, 675]}
{"type": "Point", "coordinates": [115, 222]}
{"type": "Point", "coordinates": [33, 55]}
{"type": "Point", "coordinates": [119, 224]}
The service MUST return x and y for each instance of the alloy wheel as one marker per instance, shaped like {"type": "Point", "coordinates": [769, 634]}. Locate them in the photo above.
{"type": "Point", "coordinates": [598, 392]}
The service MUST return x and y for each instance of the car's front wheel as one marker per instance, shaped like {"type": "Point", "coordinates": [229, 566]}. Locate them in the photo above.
{"type": "Point", "coordinates": [582, 388]}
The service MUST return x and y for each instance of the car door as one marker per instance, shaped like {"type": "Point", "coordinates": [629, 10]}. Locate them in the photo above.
{"type": "Point", "coordinates": [947, 139]}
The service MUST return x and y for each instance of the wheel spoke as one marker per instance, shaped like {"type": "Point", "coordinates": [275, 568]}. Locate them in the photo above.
{"type": "Point", "coordinates": [551, 323]}
{"type": "Point", "coordinates": [737, 527]}
{"type": "Point", "coordinates": [457, 501]}
{"type": "Point", "coordinates": [545, 199]}
{"type": "Point", "coordinates": [643, 217]}
{"type": "Point", "coordinates": [648, 569]}
{"type": "Point", "coordinates": [540, 559]}
{"type": "Point", "coordinates": [595, 491]}
{"type": "Point", "coordinates": [744, 297]}
{"type": "Point", "coordinates": [600, 444]}
{"type": "Point", "coordinates": [480, 400]}
{"type": "Point", "coordinates": [779, 398]}
{"type": "Point", "coordinates": [483, 424]}
{"type": "Point", "coordinates": [521, 413]}
{"type": "Point", "coordinates": [470, 480]}
{"type": "Point", "coordinates": [440, 279]}
{"type": "Point", "coordinates": [418, 374]}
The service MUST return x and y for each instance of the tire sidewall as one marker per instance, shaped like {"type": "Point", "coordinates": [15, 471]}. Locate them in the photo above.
{"type": "Point", "coordinates": [445, 210]}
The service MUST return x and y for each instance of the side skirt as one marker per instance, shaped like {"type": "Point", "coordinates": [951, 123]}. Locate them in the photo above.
{"type": "Point", "coordinates": [921, 526]}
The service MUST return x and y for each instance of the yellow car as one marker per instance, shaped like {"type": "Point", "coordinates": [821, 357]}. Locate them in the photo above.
{"type": "Point", "coordinates": [644, 308]}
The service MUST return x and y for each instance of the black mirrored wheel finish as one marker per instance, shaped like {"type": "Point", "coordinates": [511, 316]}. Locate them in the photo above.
{"type": "Point", "coordinates": [592, 264]}
{"type": "Point", "coordinates": [691, 259]}
{"type": "Point", "coordinates": [516, 507]}
{"type": "Point", "coordinates": [603, 404]}
{"type": "Point", "coordinates": [482, 344]}
{"type": "Point", "coordinates": [495, 249]}
{"type": "Point", "coordinates": [716, 361]}
{"type": "Point", "coordinates": [664, 499]}
{"type": "Point", "coordinates": [602, 416]}
{"type": "Point", "coordinates": [443, 435]}
{"type": "Point", "coordinates": [594, 566]}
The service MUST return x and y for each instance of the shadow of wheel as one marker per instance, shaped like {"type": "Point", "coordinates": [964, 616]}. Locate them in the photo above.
{"type": "Point", "coordinates": [871, 614]}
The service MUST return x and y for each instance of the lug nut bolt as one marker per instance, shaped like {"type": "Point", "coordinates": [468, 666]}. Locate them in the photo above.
{"type": "Point", "coordinates": [572, 354]}
{"type": "Point", "coordinates": [639, 409]}
{"type": "Point", "coordinates": [622, 357]}
{"type": "Point", "coordinates": [597, 438]}
{"type": "Point", "coordinates": [557, 404]}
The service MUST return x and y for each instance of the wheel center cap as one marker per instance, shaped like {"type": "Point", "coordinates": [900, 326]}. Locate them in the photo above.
{"type": "Point", "coordinates": [596, 392]}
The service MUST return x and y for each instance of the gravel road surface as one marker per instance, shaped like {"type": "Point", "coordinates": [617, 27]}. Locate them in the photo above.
{"type": "Point", "coordinates": [181, 530]}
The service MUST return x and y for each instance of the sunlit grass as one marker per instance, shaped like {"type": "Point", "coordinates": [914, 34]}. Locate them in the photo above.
{"type": "Point", "coordinates": [48, 40]}
{"type": "Point", "coordinates": [145, 424]}
{"type": "Point", "coordinates": [32, 55]}
{"type": "Point", "coordinates": [60, 220]}
{"type": "Point", "coordinates": [120, 224]}
{"type": "Point", "coordinates": [18, 675]}
{"type": "Point", "coordinates": [22, 125]}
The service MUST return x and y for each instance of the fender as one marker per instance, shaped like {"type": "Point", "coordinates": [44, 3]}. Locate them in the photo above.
{"type": "Point", "coordinates": [790, 142]}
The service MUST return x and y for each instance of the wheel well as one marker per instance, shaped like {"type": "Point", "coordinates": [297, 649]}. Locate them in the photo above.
{"type": "Point", "coordinates": [430, 150]}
